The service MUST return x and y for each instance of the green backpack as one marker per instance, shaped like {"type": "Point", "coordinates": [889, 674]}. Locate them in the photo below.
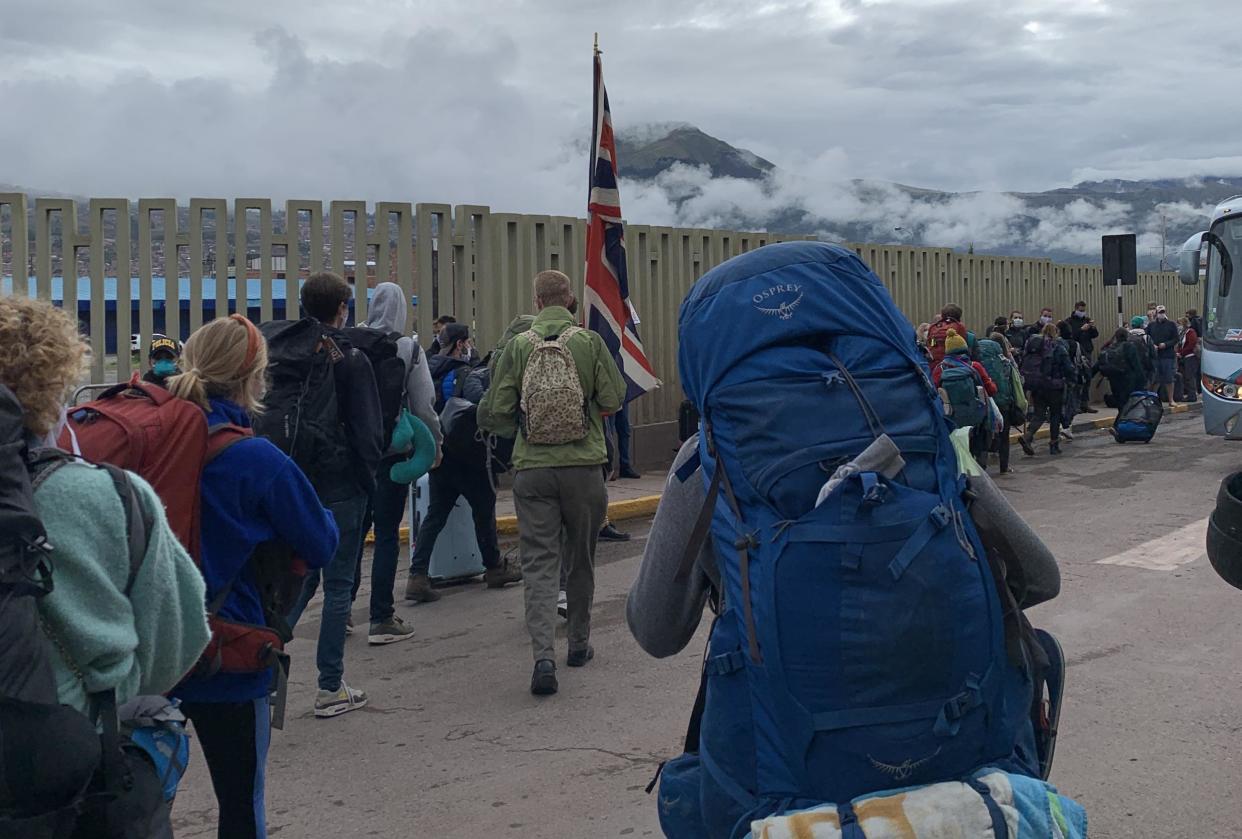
{"type": "Point", "coordinates": [960, 384]}
{"type": "Point", "coordinates": [993, 359]}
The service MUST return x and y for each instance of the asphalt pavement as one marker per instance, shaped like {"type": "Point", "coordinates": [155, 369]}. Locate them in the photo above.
{"type": "Point", "coordinates": [453, 745]}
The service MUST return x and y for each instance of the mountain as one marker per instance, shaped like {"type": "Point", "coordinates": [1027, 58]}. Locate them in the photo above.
{"type": "Point", "coordinates": [1063, 224]}
{"type": "Point", "coordinates": [642, 156]}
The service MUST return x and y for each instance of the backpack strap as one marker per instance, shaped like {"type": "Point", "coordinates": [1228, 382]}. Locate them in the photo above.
{"type": "Point", "coordinates": [223, 435]}
{"type": "Point", "coordinates": [219, 438]}
{"type": "Point", "coordinates": [138, 521]}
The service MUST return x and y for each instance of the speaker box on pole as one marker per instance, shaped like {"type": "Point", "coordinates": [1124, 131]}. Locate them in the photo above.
{"type": "Point", "coordinates": [1120, 259]}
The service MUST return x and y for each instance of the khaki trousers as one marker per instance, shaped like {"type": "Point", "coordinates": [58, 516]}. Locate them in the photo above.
{"type": "Point", "coordinates": [572, 500]}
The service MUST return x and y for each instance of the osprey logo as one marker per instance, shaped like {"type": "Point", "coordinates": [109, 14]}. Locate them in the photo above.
{"type": "Point", "coordinates": [903, 770]}
{"type": "Point", "coordinates": [779, 300]}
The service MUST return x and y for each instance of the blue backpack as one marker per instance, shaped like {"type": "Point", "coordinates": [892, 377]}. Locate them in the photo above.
{"type": "Point", "coordinates": [860, 644]}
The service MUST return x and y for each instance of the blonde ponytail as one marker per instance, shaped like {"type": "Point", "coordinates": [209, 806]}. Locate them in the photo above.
{"type": "Point", "coordinates": [190, 386]}
{"type": "Point", "coordinates": [224, 358]}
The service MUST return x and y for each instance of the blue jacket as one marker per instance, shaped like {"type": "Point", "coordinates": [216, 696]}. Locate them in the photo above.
{"type": "Point", "coordinates": [252, 493]}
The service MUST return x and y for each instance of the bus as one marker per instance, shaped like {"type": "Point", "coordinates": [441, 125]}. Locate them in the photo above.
{"type": "Point", "coordinates": [1211, 256]}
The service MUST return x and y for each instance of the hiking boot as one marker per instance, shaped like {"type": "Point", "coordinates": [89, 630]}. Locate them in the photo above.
{"type": "Point", "coordinates": [389, 632]}
{"type": "Point", "coordinates": [349, 625]}
{"type": "Point", "coordinates": [562, 605]}
{"type": "Point", "coordinates": [630, 475]}
{"type": "Point", "coordinates": [1054, 448]}
{"type": "Point", "coordinates": [419, 589]}
{"type": "Point", "coordinates": [1027, 448]}
{"type": "Point", "coordinates": [579, 658]}
{"type": "Point", "coordinates": [543, 680]}
{"type": "Point", "coordinates": [502, 575]}
{"type": "Point", "coordinates": [611, 534]}
{"type": "Point", "coordinates": [333, 703]}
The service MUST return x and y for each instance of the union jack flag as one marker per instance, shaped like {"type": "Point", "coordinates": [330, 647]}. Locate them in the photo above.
{"type": "Point", "coordinates": [608, 308]}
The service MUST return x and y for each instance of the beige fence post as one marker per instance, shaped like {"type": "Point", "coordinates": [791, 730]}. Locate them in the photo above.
{"type": "Point", "coordinates": [19, 233]}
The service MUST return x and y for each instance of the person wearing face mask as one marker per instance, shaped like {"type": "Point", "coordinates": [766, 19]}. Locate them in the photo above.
{"type": "Point", "coordinates": [1018, 331]}
{"type": "Point", "coordinates": [164, 357]}
{"type": "Point", "coordinates": [1164, 337]}
{"type": "Point", "coordinates": [1081, 330]}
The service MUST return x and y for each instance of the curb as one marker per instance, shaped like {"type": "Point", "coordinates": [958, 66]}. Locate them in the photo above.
{"type": "Point", "coordinates": [633, 508]}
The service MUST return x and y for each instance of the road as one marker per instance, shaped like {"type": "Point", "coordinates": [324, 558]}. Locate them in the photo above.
{"type": "Point", "coordinates": [453, 745]}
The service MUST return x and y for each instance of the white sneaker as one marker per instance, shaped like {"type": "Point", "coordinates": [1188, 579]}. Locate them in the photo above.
{"type": "Point", "coordinates": [333, 703]}
{"type": "Point", "coordinates": [1066, 434]}
{"type": "Point", "coordinates": [562, 606]}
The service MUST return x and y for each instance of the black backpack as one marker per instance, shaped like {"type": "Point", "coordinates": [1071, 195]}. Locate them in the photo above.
{"type": "Point", "coordinates": [301, 414]}
{"type": "Point", "coordinates": [70, 780]}
{"type": "Point", "coordinates": [380, 348]}
{"type": "Point", "coordinates": [1113, 360]}
{"type": "Point", "coordinates": [459, 419]}
{"type": "Point", "coordinates": [1146, 350]}
{"type": "Point", "coordinates": [1037, 365]}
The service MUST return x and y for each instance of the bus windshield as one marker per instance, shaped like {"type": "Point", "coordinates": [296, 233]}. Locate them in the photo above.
{"type": "Point", "coordinates": [1224, 314]}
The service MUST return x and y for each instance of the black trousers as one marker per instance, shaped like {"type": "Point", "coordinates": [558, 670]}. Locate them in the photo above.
{"type": "Point", "coordinates": [1000, 443]}
{"type": "Point", "coordinates": [1046, 404]}
{"type": "Point", "coordinates": [234, 737]}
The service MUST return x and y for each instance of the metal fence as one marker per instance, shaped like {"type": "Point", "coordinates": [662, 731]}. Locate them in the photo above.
{"type": "Point", "coordinates": [464, 260]}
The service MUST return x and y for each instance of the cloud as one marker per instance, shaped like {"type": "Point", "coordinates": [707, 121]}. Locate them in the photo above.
{"type": "Point", "coordinates": [489, 103]}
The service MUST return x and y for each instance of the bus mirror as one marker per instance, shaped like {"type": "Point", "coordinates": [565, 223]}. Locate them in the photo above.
{"type": "Point", "coordinates": [1190, 260]}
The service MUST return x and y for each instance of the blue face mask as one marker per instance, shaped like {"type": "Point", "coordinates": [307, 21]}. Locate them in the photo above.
{"type": "Point", "coordinates": [165, 367]}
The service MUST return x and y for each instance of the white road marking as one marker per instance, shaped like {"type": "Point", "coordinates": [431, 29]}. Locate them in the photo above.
{"type": "Point", "coordinates": [1181, 547]}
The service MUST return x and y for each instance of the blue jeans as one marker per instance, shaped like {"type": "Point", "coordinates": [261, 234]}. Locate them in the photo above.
{"type": "Point", "coordinates": [338, 582]}
{"type": "Point", "coordinates": [385, 512]}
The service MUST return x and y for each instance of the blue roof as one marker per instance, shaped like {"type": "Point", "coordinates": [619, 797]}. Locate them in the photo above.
{"type": "Point", "coordinates": [158, 288]}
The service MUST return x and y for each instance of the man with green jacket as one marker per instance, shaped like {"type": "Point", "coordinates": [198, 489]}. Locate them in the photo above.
{"type": "Point", "coordinates": [559, 485]}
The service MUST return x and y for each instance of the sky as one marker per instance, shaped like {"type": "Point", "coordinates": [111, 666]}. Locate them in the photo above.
{"type": "Point", "coordinates": [489, 101]}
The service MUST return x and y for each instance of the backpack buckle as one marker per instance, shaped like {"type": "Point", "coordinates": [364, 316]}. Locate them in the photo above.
{"type": "Point", "coordinates": [941, 516]}
{"type": "Point", "coordinates": [747, 542]}
{"type": "Point", "coordinates": [875, 492]}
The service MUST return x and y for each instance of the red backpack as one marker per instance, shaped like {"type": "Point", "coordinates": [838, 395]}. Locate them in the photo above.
{"type": "Point", "coordinates": [937, 333]}
{"type": "Point", "coordinates": [145, 429]}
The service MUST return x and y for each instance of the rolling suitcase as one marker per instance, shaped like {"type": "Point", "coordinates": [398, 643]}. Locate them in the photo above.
{"type": "Point", "coordinates": [456, 555]}
{"type": "Point", "coordinates": [1139, 419]}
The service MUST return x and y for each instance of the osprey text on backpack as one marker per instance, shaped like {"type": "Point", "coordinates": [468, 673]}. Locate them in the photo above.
{"type": "Point", "coordinates": [861, 645]}
{"type": "Point", "coordinates": [553, 406]}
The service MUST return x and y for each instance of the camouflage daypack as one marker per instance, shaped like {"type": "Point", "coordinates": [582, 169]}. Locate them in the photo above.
{"type": "Point", "coordinates": [553, 405]}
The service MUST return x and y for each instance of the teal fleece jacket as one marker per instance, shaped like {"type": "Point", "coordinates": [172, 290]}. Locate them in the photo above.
{"type": "Point", "coordinates": [140, 645]}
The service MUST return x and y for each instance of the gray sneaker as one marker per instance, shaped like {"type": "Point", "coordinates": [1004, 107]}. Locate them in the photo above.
{"type": "Point", "coordinates": [333, 703]}
{"type": "Point", "coordinates": [389, 632]}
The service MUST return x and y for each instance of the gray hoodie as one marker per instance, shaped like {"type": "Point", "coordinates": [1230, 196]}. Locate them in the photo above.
{"type": "Point", "coordinates": [388, 312]}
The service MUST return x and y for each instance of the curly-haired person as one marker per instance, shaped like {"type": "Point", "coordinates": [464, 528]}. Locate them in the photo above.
{"type": "Point", "coordinates": [134, 633]}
